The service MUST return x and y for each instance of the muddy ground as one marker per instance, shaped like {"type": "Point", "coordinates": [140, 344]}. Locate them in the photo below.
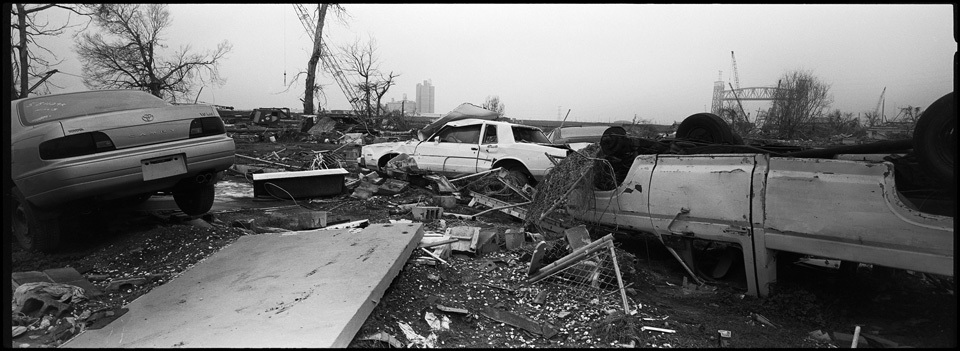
{"type": "Point", "coordinates": [906, 308]}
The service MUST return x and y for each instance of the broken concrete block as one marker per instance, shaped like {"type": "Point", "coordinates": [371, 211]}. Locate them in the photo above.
{"type": "Point", "coordinates": [488, 241]}
{"type": "Point", "coordinates": [514, 239]}
{"type": "Point", "coordinates": [392, 187]}
{"type": "Point", "coordinates": [577, 237]}
{"type": "Point", "coordinates": [446, 201]}
{"type": "Point", "coordinates": [427, 213]}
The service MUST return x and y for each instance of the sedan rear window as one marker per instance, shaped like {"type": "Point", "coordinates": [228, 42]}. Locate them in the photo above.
{"type": "Point", "coordinates": [529, 135]}
{"type": "Point", "coordinates": [56, 107]}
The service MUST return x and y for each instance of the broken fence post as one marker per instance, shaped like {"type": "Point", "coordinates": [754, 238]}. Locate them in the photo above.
{"type": "Point", "coordinates": [856, 337]}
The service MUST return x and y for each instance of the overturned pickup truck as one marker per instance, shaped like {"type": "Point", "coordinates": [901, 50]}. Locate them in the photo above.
{"type": "Point", "coordinates": [468, 141]}
{"type": "Point", "coordinates": [891, 204]}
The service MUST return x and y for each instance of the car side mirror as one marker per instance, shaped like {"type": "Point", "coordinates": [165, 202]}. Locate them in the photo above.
{"type": "Point", "coordinates": [436, 140]}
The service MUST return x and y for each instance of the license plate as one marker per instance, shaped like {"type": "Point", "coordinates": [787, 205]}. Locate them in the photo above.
{"type": "Point", "coordinates": [162, 167]}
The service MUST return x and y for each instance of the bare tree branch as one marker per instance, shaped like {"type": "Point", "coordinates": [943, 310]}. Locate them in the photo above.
{"type": "Point", "coordinates": [132, 58]}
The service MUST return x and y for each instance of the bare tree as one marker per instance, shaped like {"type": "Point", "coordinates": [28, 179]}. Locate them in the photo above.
{"type": "Point", "coordinates": [372, 84]}
{"type": "Point", "coordinates": [28, 57]}
{"type": "Point", "coordinates": [314, 26]}
{"type": "Point", "coordinates": [494, 104]}
{"type": "Point", "coordinates": [130, 58]}
{"type": "Point", "coordinates": [803, 98]}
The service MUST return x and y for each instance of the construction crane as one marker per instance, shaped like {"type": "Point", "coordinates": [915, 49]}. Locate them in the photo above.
{"type": "Point", "coordinates": [736, 86]}
{"type": "Point", "coordinates": [876, 111]}
{"type": "Point", "coordinates": [736, 76]}
{"type": "Point", "coordinates": [330, 62]}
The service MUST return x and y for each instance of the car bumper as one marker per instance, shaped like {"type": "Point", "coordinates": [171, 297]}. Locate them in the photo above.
{"type": "Point", "coordinates": [119, 173]}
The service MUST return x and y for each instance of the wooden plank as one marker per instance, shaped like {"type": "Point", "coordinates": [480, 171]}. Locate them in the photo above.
{"type": "Point", "coordinates": [311, 289]}
{"type": "Point", "coordinates": [467, 237]}
{"type": "Point", "coordinates": [518, 212]}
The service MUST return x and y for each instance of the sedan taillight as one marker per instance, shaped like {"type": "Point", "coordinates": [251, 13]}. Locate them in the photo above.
{"type": "Point", "coordinates": [207, 126]}
{"type": "Point", "coordinates": [76, 145]}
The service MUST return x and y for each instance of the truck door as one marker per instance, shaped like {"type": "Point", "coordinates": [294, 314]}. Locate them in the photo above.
{"type": "Point", "coordinates": [703, 196]}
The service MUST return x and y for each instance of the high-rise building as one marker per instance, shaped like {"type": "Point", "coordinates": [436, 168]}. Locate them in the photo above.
{"type": "Point", "coordinates": [425, 97]}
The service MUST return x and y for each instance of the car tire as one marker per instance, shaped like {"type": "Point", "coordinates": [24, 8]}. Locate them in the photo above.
{"type": "Point", "coordinates": [707, 127]}
{"type": "Point", "coordinates": [517, 177]}
{"type": "Point", "coordinates": [195, 201]}
{"type": "Point", "coordinates": [935, 139]}
{"type": "Point", "coordinates": [33, 228]}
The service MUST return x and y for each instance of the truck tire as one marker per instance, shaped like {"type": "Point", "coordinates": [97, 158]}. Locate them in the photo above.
{"type": "Point", "coordinates": [707, 127]}
{"type": "Point", "coordinates": [33, 228]}
{"type": "Point", "coordinates": [935, 139]}
{"type": "Point", "coordinates": [614, 141]}
{"type": "Point", "coordinates": [197, 200]}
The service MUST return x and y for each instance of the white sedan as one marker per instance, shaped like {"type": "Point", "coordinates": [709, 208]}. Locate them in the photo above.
{"type": "Point", "coordinates": [473, 145]}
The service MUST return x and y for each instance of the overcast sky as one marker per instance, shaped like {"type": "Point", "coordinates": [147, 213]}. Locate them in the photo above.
{"type": "Point", "coordinates": [602, 62]}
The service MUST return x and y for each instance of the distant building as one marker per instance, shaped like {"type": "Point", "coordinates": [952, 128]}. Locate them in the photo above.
{"type": "Point", "coordinates": [425, 94]}
{"type": "Point", "coordinates": [408, 107]}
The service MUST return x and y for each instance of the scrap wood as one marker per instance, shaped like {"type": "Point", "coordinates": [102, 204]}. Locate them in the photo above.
{"type": "Point", "coordinates": [452, 309]}
{"type": "Point", "coordinates": [270, 162]}
{"type": "Point", "coordinates": [475, 174]}
{"type": "Point", "coordinates": [435, 256]}
{"type": "Point", "coordinates": [416, 339]}
{"type": "Point", "coordinates": [438, 243]}
{"type": "Point", "coordinates": [501, 208]}
{"type": "Point", "coordinates": [385, 337]}
{"type": "Point", "coordinates": [662, 330]}
{"type": "Point", "coordinates": [764, 320]}
{"type": "Point", "coordinates": [518, 321]}
{"type": "Point", "coordinates": [355, 224]}
{"type": "Point", "coordinates": [685, 267]}
{"type": "Point", "coordinates": [468, 237]}
{"type": "Point", "coordinates": [442, 323]}
{"type": "Point", "coordinates": [443, 185]}
{"type": "Point", "coordinates": [457, 215]}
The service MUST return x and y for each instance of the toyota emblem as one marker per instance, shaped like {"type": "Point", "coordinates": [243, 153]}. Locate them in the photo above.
{"type": "Point", "coordinates": [147, 117]}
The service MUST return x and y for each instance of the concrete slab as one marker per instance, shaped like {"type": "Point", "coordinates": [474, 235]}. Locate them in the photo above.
{"type": "Point", "coordinates": [298, 289]}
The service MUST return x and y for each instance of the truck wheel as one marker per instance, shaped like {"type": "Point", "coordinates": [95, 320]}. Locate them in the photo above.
{"type": "Point", "coordinates": [33, 228]}
{"type": "Point", "coordinates": [195, 201]}
{"type": "Point", "coordinates": [614, 140]}
{"type": "Point", "coordinates": [707, 127]}
{"type": "Point", "coordinates": [935, 139]}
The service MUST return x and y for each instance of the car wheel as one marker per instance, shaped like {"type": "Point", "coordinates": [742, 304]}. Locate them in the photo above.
{"type": "Point", "coordinates": [707, 127]}
{"type": "Point", "coordinates": [195, 201]}
{"type": "Point", "coordinates": [33, 228]}
{"type": "Point", "coordinates": [935, 139]}
{"type": "Point", "coordinates": [516, 177]}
